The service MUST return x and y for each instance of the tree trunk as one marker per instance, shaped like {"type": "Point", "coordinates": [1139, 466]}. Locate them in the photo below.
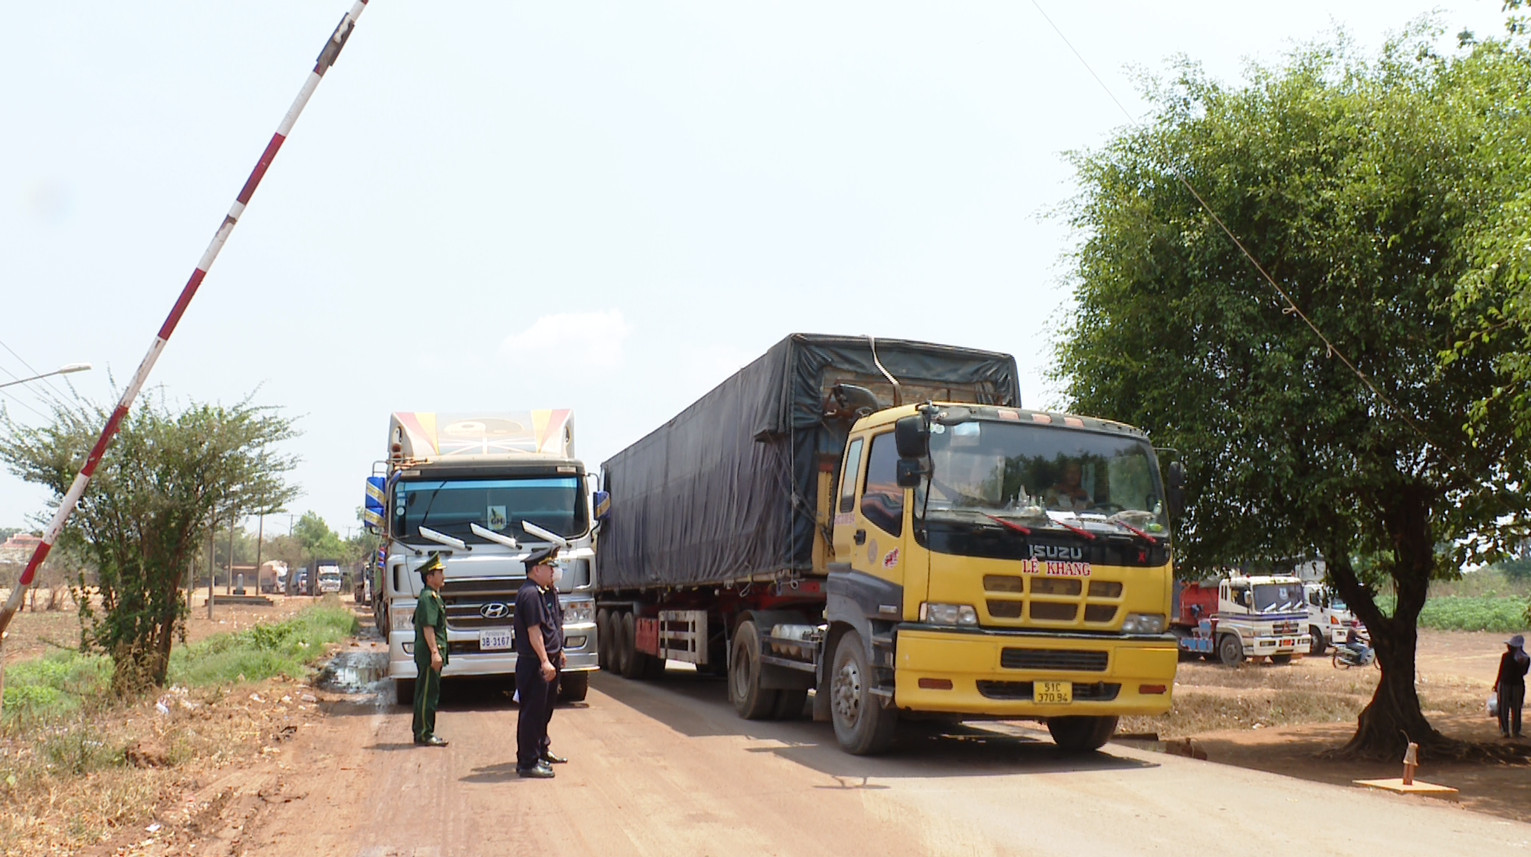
{"type": "Point", "coordinates": [1393, 718]}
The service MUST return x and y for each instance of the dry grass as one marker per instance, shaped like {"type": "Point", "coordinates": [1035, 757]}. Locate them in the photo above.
{"type": "Point", "coordinates": [109, 773]}
{"type": "Point", "coordinates": [1212, 698]}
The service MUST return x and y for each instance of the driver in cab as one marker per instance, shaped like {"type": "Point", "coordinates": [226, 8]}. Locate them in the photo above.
{"type": "Point", "coordinates": [1069, 492]}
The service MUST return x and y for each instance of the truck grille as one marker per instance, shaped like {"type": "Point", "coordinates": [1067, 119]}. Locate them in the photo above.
{"type": "Point", "coordinates": [1015, 600]}
{"type": "Point", "coordinates": [479, 603]}
{"type": "Point", "coordinates": [1053, 659]}
{"type": "Point", "coordinates": [1099, 691]}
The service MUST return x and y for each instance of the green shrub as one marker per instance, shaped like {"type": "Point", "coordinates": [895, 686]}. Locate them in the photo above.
{"type": "Point", "coordinates": [46, 689]}
{"type": "Point", "coordinates": [278, 648]}
{"type": "Point", "coordinates": [1501, 614]}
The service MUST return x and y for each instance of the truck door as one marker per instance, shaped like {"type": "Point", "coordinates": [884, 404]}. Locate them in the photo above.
{"type": "Point", "coordinates": [871, 515]}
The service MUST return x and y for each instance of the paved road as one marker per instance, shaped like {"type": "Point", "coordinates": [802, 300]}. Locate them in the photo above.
{"type": "Point", "coordinates": [666, 769]}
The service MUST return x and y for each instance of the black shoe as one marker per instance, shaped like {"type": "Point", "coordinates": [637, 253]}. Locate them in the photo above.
{"type": "Point", "coordinates": [551, 759]}
{"type": "Point", "coordinates": [433, 741]}
{"type": "Point", "coordinates": [536, 772]}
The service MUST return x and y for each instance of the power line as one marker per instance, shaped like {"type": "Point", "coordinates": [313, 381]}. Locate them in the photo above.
{"type": "Point", "coordinates": [1291, 307]}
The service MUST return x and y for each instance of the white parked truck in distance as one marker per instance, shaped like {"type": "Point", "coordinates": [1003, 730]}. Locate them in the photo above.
{"type": "Point", "coordinates": [1240, 617]}
{"type": "Point", "coordinates": [483, 491]}
{"type": "Point", "coordinates": [1330, 621]}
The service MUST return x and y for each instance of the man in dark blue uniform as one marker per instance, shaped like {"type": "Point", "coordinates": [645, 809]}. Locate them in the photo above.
{"type": "Point", "coordinates": [430, 651]}
{"type": "Point", "coordinates": [539, 658]}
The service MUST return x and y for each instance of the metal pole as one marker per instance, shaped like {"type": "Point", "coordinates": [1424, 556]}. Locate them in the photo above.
{"type": "Point", "coordinates": [212, 535]}
{"type": "Point", "coordinates": [260, 534]}
{"type": "Point", "coordinates": [228, 578]}
{"type": "Point", "coordinates": [326, 59]}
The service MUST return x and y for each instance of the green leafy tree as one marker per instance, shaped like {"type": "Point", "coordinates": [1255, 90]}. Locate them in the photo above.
{"type": "Point", "coordinates": [1359, 186]}
{"type": "Point", "coordinates": [146, 514]}
{"type": "Point", "coordinates": [317, 539]}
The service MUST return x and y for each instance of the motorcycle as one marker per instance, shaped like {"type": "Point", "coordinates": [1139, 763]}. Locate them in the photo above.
{"type": "Point", "coordinates": [1356, 653]}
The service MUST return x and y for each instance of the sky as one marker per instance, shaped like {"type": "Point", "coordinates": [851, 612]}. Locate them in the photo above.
{"type": "Point", "coordinates": [604, 206]}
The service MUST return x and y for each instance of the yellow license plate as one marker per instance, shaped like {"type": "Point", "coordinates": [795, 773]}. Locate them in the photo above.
{"type": "Point", "coordinates": [1052, 692]}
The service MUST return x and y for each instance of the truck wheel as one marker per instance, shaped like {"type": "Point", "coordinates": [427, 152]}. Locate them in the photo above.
{"type": "Point", "coordinates": [862, 726]}
{"type": "Point", "coordinates": [752, 701]}
{"type": "Point", "coordinates": [627, 636]}
{"type": "Point", "coordinates": [572, 687]}
{"type": "Point", "coordinates": [404, 691]}
{"type": "Point", "coordinates": [1319, 644]}
{"type": "Point", "coordinates": [1081, 734]}
{"type": "Point", "coordinates": [618, 654]}
{"type": "Point", "coordinates": [603, 638]}
{"type": "Point", "coordinates": [1229, 650]}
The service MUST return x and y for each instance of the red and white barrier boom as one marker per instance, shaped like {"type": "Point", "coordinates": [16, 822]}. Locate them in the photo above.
{"type": "Point", "coordinates": [326, 59]}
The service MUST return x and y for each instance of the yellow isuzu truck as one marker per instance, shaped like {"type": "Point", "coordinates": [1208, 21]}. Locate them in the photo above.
{"type": "Point", "coordinates": [880, 523]}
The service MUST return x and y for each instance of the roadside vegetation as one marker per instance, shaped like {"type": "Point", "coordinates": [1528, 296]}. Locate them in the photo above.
{"type": "Point", "coordinates": [78, 765]}
{"type": "Point", "coordinates": [1494, 599]}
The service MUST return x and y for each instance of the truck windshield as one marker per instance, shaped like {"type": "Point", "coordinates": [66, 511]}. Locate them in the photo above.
{"type": "Point", "coordinates": [1278, 597]}
{"type": "Point", "coordinates": [450, 505]}
{"type": "Point", "coordinates": [1044, 476]}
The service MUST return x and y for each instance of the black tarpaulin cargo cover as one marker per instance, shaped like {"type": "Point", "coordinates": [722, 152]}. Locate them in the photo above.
{"type": "Point", "coordinates": [726, 490]}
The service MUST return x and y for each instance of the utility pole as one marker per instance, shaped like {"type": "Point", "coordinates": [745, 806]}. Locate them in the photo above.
{"type": "Point", "coordinates": [212, 533]}
{"type": "Point", "coordinates": [228, 581]}
{"type": "Point", "coordinates": [260, 535]}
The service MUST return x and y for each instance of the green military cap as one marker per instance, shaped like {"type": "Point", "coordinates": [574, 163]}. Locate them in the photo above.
{"type": "Point", "coordinates": [430, 565]}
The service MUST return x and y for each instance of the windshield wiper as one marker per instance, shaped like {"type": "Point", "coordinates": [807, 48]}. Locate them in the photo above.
{"type": "Point", "coordinates": [1134, 530]}
{"type": "Point", "coordinates": [1010, 524]}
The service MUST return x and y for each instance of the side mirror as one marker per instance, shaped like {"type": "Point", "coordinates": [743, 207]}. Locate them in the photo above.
{"type": "Point", "coordinates": [602, 502]}
{"type": "Point", "coordinates": [912, 437]}
{"type": "Point", "coordinates": [1175, 489]}
{"type": "Point", "coordinates": [909, 473]}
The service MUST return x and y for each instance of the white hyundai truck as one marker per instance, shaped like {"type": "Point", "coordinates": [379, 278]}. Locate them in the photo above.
{"type": "Point", "coordinates": [483, 491]}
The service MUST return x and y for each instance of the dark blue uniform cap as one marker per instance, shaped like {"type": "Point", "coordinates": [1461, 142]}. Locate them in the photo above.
{"type": "Point", "coordinates": [538, 557]}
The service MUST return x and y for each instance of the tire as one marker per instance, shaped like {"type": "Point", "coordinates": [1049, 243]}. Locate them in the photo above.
{"type": "Point", "coordinates": [603, 638]}
{"type": "Point", "coordinates": [618, 653]}
{"type": "Point", "coordinates": [572, 687]}
{"type": "Point", "coordinates": [1081, 734]}
{"type": "Point", "coordinates": [1230, 652]}
{"type": "Point", "coordinates": [404, 691]}
{"type": "Point", "coordinates": [627, 640]}
{"type": "Point", "coordinates": [750, 700]}
{"type": "Point", "coordinates": [789, 704]}
{"type": "Point", "coordinates": [1339, 662]}
{"type": "Point", "coordinates": [862, 726]}
{"type": "Point", "coordinates": [1319, 644]}
{"type": "Point", "coordinates": [1281, 659]}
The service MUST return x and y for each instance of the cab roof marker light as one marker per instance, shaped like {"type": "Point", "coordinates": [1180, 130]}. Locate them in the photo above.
{"type": "Point", "coordinates": [1073, 421]}
{"type": "Point", "coordinates": [1041, 418]}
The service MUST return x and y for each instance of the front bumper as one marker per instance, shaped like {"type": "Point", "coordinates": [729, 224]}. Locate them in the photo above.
{"type": "Point", "coordinates": [993, 674]}
{"type": "Point", "coordinates": [466, 660]}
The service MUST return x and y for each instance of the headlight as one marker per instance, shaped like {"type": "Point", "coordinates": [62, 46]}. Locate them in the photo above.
{"type": "Point", "coordinates": [401, 619]}
{"type": "Point", "coordinates": [579, 613]}
{"type": "Point", "coordinates": [1143, 623]}
{"type": "Point", "coordinates": [948, 614]}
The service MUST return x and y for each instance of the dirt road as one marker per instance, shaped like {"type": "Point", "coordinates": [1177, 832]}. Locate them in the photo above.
{"type": "Point", "coordinates": [666, 768]}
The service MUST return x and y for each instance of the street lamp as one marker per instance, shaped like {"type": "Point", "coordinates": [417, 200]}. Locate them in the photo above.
{"type": "Point", "coordinates": [65, 370]}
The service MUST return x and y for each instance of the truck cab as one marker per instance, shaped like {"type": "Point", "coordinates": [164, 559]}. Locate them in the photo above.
{"type": "Point", "coordinates": [1329, 618]}
{"type": "Point", "coordinates": [997, 562]}
{"type": "Point", "coordinates": [483, 492]}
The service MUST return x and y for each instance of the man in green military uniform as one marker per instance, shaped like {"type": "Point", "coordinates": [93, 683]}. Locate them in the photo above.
{"type": "Point", "coordinates": [430, 651]}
